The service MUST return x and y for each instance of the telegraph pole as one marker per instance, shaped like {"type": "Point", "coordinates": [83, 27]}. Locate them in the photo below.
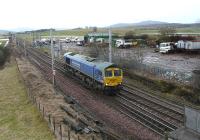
{"type": "Point", "coordinates": [59, 49]}
{"type": "Point", "coordinates": [25, 48]}
{"type": "Point", "coordinates": [110, 45]}
{"type": "Point", "coordinates": [52, 58]}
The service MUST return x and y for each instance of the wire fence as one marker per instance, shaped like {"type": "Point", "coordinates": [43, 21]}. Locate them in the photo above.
{"type": "Point", "coordinates": [59, 129]}
{"type": "Point", "coordinates": [159, 72]}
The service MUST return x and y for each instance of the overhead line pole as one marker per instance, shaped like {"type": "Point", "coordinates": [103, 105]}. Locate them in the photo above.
{"type": "Point", "coordinates": [110, 45]}
{"type": "Point", "coordinates": [52, 57]}
{"type": "Point", "coordinates": [25, 48]}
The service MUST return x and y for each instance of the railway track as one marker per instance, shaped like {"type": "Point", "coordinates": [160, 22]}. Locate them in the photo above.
{"type": "Point", "coordinates": [144, 94]}
{"type": "Point", "coordinates": [158, 115]}
{"type": "Point", "coordinates": [153, 115]}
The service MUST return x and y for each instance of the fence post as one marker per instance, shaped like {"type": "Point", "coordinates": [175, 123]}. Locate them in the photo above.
{"type": "Point", "coordinates": [54, 126]}
{"type": "Point", "coordinates": [61, 131]}
{"type": "Point", "coordinates": [43, 111]}
{"type": "Point", "coordinates": [28, 92]}
{"type": "Point", "coordinates": [69, 132]}
{"type": "Point", "coordinates": [35, 101]}
{"type": "Point", "coordinates": [92, 137]}
{"type": "Point", "coordinates": [104, 136]}
{"type": "Point", "coordinates": [39, 106]}
{"type": "Point", "coordinates": [50, 119]}
{"type": "Point", "coordinates": [31, 98]}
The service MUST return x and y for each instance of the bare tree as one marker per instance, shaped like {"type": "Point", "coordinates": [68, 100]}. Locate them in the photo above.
{"type": "Point", "coordinates": [129, 35]}
{"type": "Point", "coordinates": [166, 32]}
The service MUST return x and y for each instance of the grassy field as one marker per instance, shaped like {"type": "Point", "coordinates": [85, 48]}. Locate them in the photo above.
{"type": "Point", "coordinates": [82, 32]}
{"type": "Point", "coordinates": [2, 43]}
{"type": "Point", "coordinates": [188, 30]}
{"type": "Point", "coordinates": [119, 31]}
{"type": "Point", "coordinates": [19, 119]}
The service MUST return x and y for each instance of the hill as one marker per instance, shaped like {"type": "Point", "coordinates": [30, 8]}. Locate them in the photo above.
{"type": "Point", "coordinates": [4, 31]}
{"type": "Point", "coordinates": [154, 25]}
{"type": "Point", "coordinates": [142, 23]}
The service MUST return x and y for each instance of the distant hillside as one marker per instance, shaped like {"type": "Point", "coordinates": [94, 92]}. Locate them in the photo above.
{"type": "Point", "coordinates": [143, 23]}
{"type": "Point", "coordinates": [149, 22]}
{"type": "Point", "coordinates": [4, 31]}
{"type": "Point", "coordinates": [21, 29]}
{"type": "Point", "coordinates": [154, 24]}
{"type": "Point", "coordinates": [121, 25]}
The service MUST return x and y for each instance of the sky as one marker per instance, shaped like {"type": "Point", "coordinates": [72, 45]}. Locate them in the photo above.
{"type": "Point", "coordinates": [40, 14]}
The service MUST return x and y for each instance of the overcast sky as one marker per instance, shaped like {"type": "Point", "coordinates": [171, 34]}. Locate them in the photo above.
{"type": "Point", "coordinates": [37, 14]}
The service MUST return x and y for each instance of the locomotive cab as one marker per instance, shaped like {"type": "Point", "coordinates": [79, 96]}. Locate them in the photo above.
{"type": "Point", "coordinates": [113, 77]}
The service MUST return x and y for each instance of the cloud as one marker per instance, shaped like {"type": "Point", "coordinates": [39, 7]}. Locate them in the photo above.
{"type": "Point", "coordinates": [79, 13]}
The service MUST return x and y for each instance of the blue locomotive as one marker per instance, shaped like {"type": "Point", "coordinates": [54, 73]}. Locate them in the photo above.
{"type": "Point", "coordinates": [93, 72]}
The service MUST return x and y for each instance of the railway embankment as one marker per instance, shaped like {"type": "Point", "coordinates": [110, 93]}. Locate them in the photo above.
{"type": "Point", "coordinates": [59, 115]}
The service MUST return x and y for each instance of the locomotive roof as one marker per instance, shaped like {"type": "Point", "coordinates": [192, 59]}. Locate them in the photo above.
{"type": "Point", "coordinates": [99, 64]}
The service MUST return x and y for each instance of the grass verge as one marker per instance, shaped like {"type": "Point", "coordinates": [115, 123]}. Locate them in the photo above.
{"type": "Point", "coordinates": [19, 119]}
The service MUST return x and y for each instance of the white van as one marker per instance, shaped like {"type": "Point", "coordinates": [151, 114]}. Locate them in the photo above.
{"type": "Point", "coordinates": [121, 43]}
{"type": "Point", "coordinates": [166, 47]}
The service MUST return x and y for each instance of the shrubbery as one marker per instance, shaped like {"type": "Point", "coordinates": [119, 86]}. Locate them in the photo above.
{"type": "Point", "coordinates": [185, 92]}
{"type": "Point", "coordinates": [4, 53]}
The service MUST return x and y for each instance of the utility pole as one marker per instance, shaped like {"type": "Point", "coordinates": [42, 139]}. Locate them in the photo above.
{"type": "Point", "coordinates": [59, 49]}
{"type": "Point", "coordinates": [24, 48]}
{"type": "Point", "coordinates": [52, 58]}
{"type": "Point", "coordinates": [34, 40]}
{"type": "Point", "coordinates": [110, 45]}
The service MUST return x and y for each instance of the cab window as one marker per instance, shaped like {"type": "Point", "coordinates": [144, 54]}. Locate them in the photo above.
{"type": "Point", "coordinates": [117, 72]}
{"type": "Point", "coordinates": [108, 73]}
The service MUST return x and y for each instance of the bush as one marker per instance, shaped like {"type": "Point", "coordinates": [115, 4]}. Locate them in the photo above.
{"type": "Point", "coordinates": [4, 53]}
{"type": "Point", "coordinates": [185, 92]}
{"type": "Point", "coordinates": [129, 35]}
{"type": "Point", "coordinates": [2, 57]}
{"type": "Point", "coordinates": [187, 95]}
{"type": "Point", "coordinates": [165, 86]}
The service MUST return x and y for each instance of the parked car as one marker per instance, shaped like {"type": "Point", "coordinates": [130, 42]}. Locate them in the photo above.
{"type": "Point", "coordinates": [67, 40]}
{"type": "Point", "coordinates": [80, 42]}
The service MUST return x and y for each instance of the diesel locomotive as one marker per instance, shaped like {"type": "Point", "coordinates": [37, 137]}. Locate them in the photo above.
{"type": "Point", "coordinates": [95, 73]}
